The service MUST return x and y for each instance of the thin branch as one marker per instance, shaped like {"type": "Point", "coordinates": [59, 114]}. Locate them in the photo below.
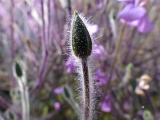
{"type": "Point", "coordinates": [116, 55]}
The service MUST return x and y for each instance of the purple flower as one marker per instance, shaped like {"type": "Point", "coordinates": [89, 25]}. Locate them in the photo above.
{"type": "Point", "coordinates": [99, 51]}
{"type": "Point", "coordinates": [99, 5]}
{"type": "Point", "coordinates": [132, 12]}
{"type": "Point", "coordinates": [70, 65]}
{"type": "Point", "coordinates": [58, 90]}
{"type": "Point", "coordinates": [135, 15]}
{"type": "Point", "coordinates": [145, 25]}
{"type": "Point", "coordinates": [57, 105]}
{"type": "Point", "coordinates": [101, 77]}
{"type": "Point", "coordinates": [106, 105]}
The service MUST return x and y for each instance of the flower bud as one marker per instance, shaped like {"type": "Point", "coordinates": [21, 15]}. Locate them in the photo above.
{"type": "Point", "coordinates": [81, 40]}
{"type": "Point", "coordinates": [18, 70]}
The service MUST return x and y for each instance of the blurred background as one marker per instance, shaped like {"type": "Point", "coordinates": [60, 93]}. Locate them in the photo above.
{"type": "Point", "coordinates": [35, 64]}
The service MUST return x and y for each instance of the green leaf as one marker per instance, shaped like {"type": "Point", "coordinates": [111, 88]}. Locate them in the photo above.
{"type": "Point", "coordinates": [66, 92]}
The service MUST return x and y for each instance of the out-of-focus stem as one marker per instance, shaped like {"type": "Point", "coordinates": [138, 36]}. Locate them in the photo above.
{"type": "Point", "coordinates": [150, 101]}
{"type": "Point", "coordinates": [129, 43]}
{"type": "Point", "coordinates": [141, 45]}
{"type": "Point", "coordinates": [40, 78]}
{"type": "Point", "coordinates": [147, 59]}
{"type": "Point", "coordinates": [43, 29]}
{"type": "Point", "coordinates": [49, 23]}
{"type": "Point", "coordinates": [23, 104]}
{"type": "Point", "coordinates": [43, 65]}
{"type": "Point", "coordinates": [25, 100]}
{"type": "Point", "coordinates": [86, 90]}
{"type": "Point", "coordinates": [69, 7]}
{"type": "Point", "coordinates": [12, 29]}
{"type": "Point", "coordinates": [27, 103]}
{"type": "Point", "coordinates": [117, 51]}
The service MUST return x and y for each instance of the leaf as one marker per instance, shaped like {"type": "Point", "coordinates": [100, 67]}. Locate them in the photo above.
{"type": "Point", "coordinates": [66, 92]}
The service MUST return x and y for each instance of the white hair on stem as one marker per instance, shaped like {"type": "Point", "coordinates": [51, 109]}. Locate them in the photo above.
{"type": "Point", "coordinates": [79, 62]}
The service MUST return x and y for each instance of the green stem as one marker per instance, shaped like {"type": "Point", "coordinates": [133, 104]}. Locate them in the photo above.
{"type": "Point", "coordinates": [141, 45]}
{"type": "Point", "coordinates": [117, 51]}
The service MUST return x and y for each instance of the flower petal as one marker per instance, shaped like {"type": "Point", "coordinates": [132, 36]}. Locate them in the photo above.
{"type": "Point", "coordinates": [133, 23]}
{"type": "Point", "coordinates": [131, 13]}
{"type": "Point", "coordinates": [145, 25]}
{"type": "Point", "coordinates": [106, 105]}
{"type": "Point", "coordinates": [57, 105]}
{"type": "Point", "coordinates": [58, 90]}
{"type": "Point", "coordinates": [70, 65]}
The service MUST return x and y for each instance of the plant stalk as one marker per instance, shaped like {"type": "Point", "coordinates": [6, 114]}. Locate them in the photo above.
{"type": "Point", "coordinates": [116, 55]}
{"type": "Point", "coordinates": [24, 100]}
{"type": "Point", "coordinates": [86, 90]}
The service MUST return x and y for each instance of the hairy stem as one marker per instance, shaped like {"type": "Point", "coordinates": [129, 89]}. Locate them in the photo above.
{"type": "Point", "coordinates": [86, 90]}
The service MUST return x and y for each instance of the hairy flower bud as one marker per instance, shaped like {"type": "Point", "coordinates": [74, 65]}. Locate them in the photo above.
{"type": "Point", "coordinates": [81, 40]}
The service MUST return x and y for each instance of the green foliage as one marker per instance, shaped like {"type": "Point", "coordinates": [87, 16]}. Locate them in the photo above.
{"type": "Point", "coordinates": [66, 92]}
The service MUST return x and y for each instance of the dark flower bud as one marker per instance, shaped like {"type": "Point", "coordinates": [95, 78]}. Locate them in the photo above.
{"type": "Point", "coordinates": [81, 40]}
{"type": "Point", "coordinates": [66, 92]}
{"type": "Point", "coordinates": [18, 70]}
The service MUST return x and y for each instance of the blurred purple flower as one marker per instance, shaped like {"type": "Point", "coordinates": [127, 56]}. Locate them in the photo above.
{"type": "Point", "coordinates": [135, 14]}
{"type": "Point", "coordinates": [70, 65]}
{"type": "Point", "coordinates": [127, 1]}
{"type": "Point", "coordinates": [99, 5]}
{"type": "Point", "coordinates": [57, 105]}
{"type": "Point", "coordinates": [145, 25]}
{"type": "Point", "coordinates": [98, 51]}
{"type": "Point", "coordinates": [101, 77]}
{"type": "Point", "coordinates": [126, 105]}
{"type": "Point", "coordinates": [106, 105]}
{"type": "Point", "coordinates": [132, 12]}
{"type": "Point", "coordinates": [58, 90]}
